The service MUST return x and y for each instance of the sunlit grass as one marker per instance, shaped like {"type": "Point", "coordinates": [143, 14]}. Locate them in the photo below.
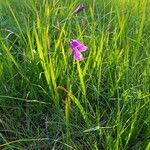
{"type": "Point", "coordinates": [47, 101]}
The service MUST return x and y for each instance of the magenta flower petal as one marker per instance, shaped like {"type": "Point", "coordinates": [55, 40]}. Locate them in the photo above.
{"type": "Point", "coordinates": [78, 9]}
{"type": "Point", "coordinates": [77, 55]}
{"type": "Point", "coordinates": [82, 48]}
{"type": "Point", "coordinates": [77, 48]}
{"type": "Point", "coordinates": [73, 51]}
{"type": "Point", "coordinates": [74, 43]}
{"type": "Point", "coordinates": [78, 45]}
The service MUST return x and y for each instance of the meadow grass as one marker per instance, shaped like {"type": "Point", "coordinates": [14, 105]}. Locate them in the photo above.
{"type": "Point", "coordinates": [47, 101]}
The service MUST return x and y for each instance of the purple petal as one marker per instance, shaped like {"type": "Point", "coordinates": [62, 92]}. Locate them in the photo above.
{"type": "Point", "coordinates": [82, 48]}
{"type": "Point", "coordinates": [77, 55]}
{"type": "Point", "coordinates": [78, 9]}
{"type": "Point", "coordinates": [74, 43]}
{"type": "Point", "coordinates": [73, 51]}
{"type": "Point", "coordinates": [78, 45]}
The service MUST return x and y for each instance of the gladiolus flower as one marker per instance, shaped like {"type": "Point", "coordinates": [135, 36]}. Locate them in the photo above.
{"type": "Point", "coordinates": [78, 9]}
{"type": "Point", "coordinates": [77, 48]}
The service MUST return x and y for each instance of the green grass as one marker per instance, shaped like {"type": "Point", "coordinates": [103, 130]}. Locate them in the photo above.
{"type": "Point", "coordinates": [47, 101]}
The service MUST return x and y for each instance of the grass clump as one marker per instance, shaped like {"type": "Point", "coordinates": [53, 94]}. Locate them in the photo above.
{"type": "Point", "coordinates": [47, 101]}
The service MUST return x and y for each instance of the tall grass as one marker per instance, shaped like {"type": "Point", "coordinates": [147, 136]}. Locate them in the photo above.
{"type": "Point", "coordinates": [47, 101]}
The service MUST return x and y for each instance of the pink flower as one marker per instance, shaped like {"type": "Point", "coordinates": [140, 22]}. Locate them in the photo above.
{"type": "Point", "coordinates": [78, 9]}
{"type": "Point", "coordinates": [77, 48]}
